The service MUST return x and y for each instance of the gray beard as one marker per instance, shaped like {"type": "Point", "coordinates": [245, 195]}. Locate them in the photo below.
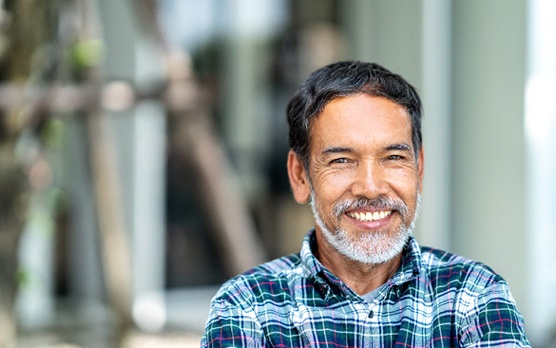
{"type": "Point", "coordinates": [369, 248]}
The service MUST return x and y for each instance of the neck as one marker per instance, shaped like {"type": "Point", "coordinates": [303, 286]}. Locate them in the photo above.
{"type": "Point", "coordinates": [361, 278]}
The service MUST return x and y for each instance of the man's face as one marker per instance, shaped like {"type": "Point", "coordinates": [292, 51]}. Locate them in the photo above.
{"type": "Point", "coordinates": [364, 178]}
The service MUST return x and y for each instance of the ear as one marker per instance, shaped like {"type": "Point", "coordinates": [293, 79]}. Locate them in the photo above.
{"type": "Point", "coordinates": [298, 178]}
{"type": "Point", "coordinates": [421, 168]}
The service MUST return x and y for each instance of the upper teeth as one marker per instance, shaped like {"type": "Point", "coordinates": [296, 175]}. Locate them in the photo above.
{"type": "Point", "coordinates": [368, 216]}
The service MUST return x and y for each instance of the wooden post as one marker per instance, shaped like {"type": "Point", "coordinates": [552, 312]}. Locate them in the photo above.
{"type": "Point", "coordinates": [115, 246]}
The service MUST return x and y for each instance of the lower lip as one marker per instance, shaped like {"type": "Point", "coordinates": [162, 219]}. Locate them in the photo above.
{"type": "Point", "coordinates": [372, 225]}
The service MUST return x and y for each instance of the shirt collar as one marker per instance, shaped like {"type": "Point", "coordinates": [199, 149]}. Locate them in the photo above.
{"type": "Point", "coordinates": [411, 263]}
{"type": "Point", "coordinates": [408, 270]}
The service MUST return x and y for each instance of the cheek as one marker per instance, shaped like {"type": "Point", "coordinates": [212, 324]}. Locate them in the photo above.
{"type": "Point", "coordinates": [406, 190]}
{"type": "Point", "coordinates": [407, 178]}
{"type": "Point", "coordinates": [331, 184]}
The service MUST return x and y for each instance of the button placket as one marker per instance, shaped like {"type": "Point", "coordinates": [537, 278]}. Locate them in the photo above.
{"type": "Point", "coordinates": [372, 311]}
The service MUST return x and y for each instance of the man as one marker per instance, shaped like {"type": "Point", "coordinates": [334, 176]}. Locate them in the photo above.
{"type": "Point", "coordinates": [361, 279]}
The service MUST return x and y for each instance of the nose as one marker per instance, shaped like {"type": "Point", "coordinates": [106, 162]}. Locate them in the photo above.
{"type": "Point", "coordinates": [369, 181]}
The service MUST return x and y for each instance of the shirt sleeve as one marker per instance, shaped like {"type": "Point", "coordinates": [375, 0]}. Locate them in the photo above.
{"type": "Point", "coordinates": [229, 325]}
{"type": "Point", "coordinates": [494, 320]}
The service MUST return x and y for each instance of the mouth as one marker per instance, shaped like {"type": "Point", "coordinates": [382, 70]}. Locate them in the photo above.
{"type": "Point", "coordinates": [369, 216]}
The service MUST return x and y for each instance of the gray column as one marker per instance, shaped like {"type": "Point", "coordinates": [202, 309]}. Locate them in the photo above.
{"type": "Point", "coordinates": [434, 223]}
{"type": "Point", "coordinates": [488, 190]}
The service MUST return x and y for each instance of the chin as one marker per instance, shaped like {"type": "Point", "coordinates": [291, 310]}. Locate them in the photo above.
{"type": "Point", "coordinates": [369, 248]}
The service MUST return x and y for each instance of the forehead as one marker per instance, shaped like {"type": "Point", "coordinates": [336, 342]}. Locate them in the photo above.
{"type": "Point", "coordinates": [361, 119]}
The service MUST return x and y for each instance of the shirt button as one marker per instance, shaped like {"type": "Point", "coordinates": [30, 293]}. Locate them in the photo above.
{"type": "Point", "coordinates": [371, 314]}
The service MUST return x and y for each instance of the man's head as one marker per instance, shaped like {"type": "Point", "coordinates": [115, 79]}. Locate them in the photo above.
{"type": "Point", "coordinates": [344, 79]}
{"type": "Point", "coordinates": [356, 156]}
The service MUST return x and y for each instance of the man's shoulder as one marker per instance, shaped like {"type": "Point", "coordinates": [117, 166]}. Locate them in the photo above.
{"type": "Point", "coordinates": [279, 267]}
{"type": "Point", "coordinates": [273, 277]}
{"type": "Point", "coordinates": [445, 268]}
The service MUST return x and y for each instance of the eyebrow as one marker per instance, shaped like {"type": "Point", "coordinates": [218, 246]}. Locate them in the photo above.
{"type": "Point", "coordinates": [398, 147]}
{"type": "Point", "coordinates": [336, 149]}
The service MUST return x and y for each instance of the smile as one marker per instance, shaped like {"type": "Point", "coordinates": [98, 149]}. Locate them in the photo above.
{"type": "Point", "coordinates": [368, 216]}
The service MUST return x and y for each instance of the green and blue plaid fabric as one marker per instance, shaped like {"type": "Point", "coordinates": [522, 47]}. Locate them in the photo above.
{"type": "Point", "coordinates": [435, 299]}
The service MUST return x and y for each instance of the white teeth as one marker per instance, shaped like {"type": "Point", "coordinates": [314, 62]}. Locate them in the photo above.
{"type": "Point", "coordinates": [367, 217]}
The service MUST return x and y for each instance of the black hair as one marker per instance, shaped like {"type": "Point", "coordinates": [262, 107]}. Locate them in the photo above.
{"type": "Point", "coordinates": [343, 79]}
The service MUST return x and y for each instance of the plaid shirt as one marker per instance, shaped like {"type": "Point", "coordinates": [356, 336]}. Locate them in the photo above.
{"type": "Point", "coordinates": [435, 299]}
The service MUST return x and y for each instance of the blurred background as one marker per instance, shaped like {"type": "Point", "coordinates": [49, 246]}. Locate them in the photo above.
{"type": "Point", "coordinates": [143, 147]}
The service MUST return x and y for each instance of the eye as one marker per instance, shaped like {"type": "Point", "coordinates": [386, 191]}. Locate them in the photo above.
{"type": "Point", "coordinates": [339, 160]}
{"type": "Point", "coordinates": [395, 158]}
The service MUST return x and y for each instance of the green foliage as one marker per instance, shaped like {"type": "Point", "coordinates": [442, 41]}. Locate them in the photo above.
{"type": "Point", "coordinates": [87, 54]}
{"type": "Point", "coordinates": [23, 278]}
{"type": "Point", "coordinates": [53, 133]}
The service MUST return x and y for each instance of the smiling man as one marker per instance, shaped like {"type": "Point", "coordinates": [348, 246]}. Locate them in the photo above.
{"type": "Point", "coordinates": [361, 279]}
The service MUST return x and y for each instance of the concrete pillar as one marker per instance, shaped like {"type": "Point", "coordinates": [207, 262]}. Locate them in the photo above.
{"type": "Point", "coordinates": [434, 223]}
{"type": "Point", "coordinates": [488, 188]}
